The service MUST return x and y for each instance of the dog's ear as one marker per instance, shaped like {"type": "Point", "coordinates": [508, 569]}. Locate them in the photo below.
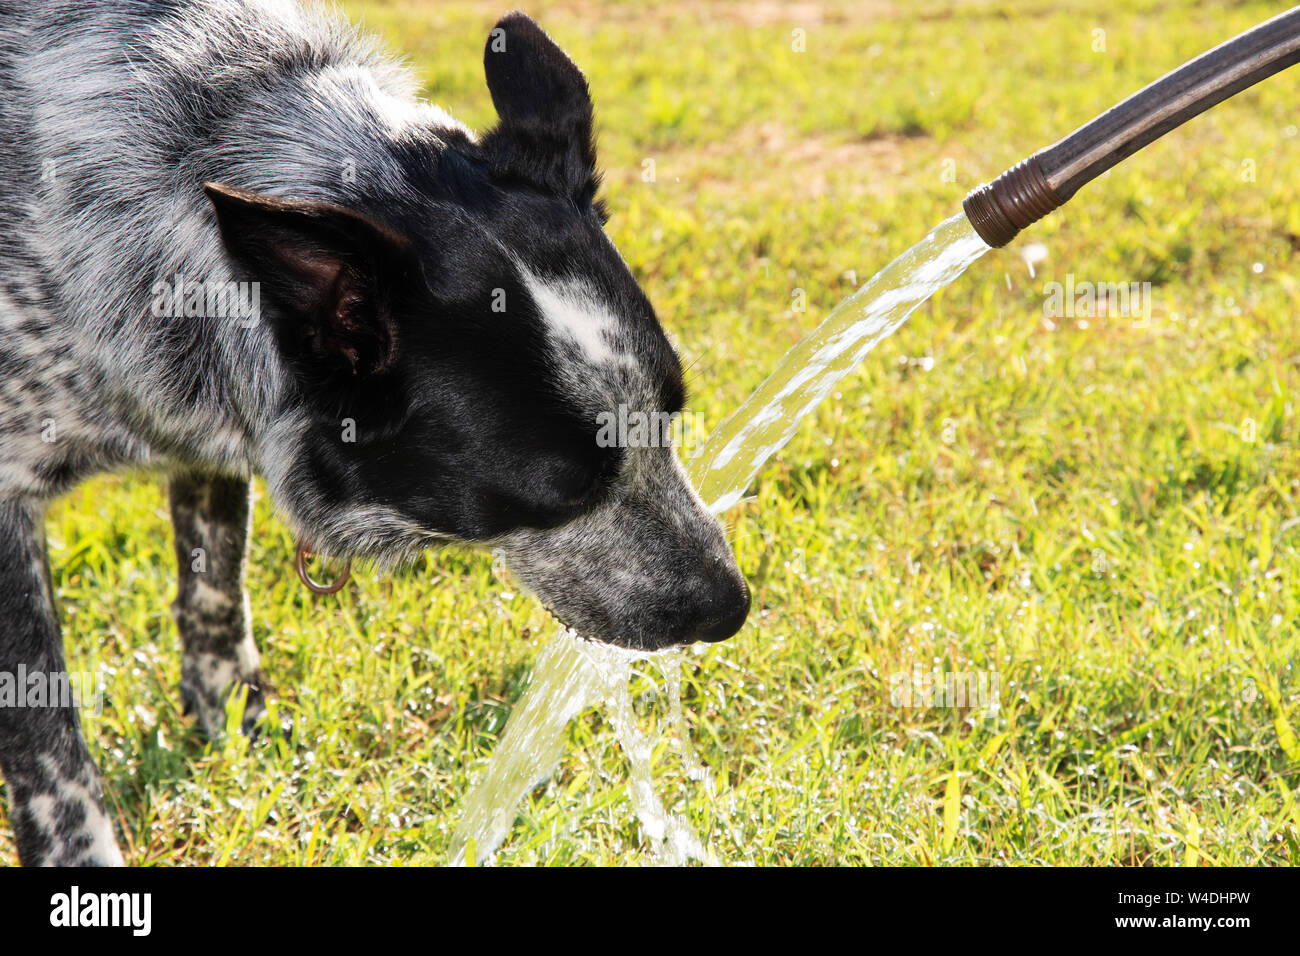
{"type": "Point", "coordinates": [546, 131]}
{"type": "Point", "coordinates": [331, 273]}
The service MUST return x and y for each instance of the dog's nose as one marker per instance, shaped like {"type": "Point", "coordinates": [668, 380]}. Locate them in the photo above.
{"type": "Point", "coordinates": [727, 611]}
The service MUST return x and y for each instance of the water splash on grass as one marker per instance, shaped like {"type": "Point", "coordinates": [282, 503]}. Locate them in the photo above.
{"type": "Point", "coordinates": [571, 674]}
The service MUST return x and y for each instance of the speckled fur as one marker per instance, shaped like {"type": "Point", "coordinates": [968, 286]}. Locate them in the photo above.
{"type": "Point", "coordinates": [55, 796]}
{"type": "Point", "coordinates": [211, 518]}
{"type": "Point", "coordinates": [104, 135]}
{"type": "Point", "coordinates": [113, 114]}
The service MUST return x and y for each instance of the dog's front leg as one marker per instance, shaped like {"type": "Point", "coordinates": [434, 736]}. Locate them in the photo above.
{"type": "Point", "coordinates": [210, 515]}
{"type": "Point", "coordinates": [55, 795]}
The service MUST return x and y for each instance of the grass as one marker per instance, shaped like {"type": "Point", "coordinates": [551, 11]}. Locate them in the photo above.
{"type": "Point", "coordinates": [1099, 512]}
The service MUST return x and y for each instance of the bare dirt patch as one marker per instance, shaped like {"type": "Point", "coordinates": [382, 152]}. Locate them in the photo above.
{"type": "Point", "coordinates": [799, 165]}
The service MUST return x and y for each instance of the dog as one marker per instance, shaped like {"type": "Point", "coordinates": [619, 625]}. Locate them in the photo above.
{"type": "Point", "coordinates": [426, 326]}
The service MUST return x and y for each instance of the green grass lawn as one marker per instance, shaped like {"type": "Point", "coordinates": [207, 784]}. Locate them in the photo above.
{"type": "Point", "coordinates": [1098, 512]}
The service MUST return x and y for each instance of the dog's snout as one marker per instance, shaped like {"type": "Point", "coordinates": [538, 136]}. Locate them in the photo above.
{"type": "Point", "coordinates": [648, 570]}
{"type": "Point", "coordinates": [727, 610]}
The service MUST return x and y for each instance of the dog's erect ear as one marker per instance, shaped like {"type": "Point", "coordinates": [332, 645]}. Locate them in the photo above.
{"type": "Point", "coordinates": [331, 273]}
{"type": "Point", "coordinates": [545, 133]}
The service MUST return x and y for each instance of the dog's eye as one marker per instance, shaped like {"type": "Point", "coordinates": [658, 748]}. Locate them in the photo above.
{"type": "Point", "coordinates": [563, 489]}
{"type": "Point", "coordinates": [592, 479]}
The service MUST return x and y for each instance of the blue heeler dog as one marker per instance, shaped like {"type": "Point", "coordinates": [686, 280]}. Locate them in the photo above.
{"type": "Point", "coordinates": [440, 320]}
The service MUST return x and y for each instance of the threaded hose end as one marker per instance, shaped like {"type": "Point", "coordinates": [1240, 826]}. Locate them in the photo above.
{"type": "Point", "coordinates": [1019, 197]}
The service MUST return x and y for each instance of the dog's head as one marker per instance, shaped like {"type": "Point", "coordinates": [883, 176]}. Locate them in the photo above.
{"type": "Point", "coordinates": [458, 357]}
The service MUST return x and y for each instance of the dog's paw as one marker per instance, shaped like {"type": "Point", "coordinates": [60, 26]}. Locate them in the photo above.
{"type": "Point", "coordinates": [218, 706]}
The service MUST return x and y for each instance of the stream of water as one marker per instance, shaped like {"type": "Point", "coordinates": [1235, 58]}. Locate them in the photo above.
{"type": "Point", "coordinates": [572, 674]}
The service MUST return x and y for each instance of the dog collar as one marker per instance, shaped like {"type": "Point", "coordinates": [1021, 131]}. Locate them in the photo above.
{"type": "Point", "coordinates": [315, 586]}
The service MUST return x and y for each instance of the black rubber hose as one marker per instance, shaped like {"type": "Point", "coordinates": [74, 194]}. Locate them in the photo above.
{"type": "Point", "coordinates": [1035, 186]}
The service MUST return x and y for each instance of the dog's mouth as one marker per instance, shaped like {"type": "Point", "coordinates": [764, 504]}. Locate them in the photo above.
{"type": "Point", "coordinates": [652, 621]}
{"type": "Point", "coordinates": [606, 634]}
{"type": "Point", "coordinates": [560, 619]}
{"type": "Point", "coordinates": [609, 634]}
{"type": "Point", "coordinates": [581, 633]}
{"type": "Point", "coordinates": [603, 632]}
{"type": "Point", "coordinates": [651, 573]}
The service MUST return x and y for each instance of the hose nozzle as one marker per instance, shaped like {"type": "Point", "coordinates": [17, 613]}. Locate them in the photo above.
{"type": "Point", "coordinates": [1016, 199]}
{"type": "Point", "coordinates": [1031, 189]}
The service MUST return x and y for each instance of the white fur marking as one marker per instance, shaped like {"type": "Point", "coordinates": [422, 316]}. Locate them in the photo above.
{"type": "Point", "coordinates": [575, 314]}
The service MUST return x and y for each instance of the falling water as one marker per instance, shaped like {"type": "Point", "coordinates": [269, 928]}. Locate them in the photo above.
{"type": "Point", "coordinates": [756, 431]}
{"type": "Point", "coordinates": [572, 674]}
